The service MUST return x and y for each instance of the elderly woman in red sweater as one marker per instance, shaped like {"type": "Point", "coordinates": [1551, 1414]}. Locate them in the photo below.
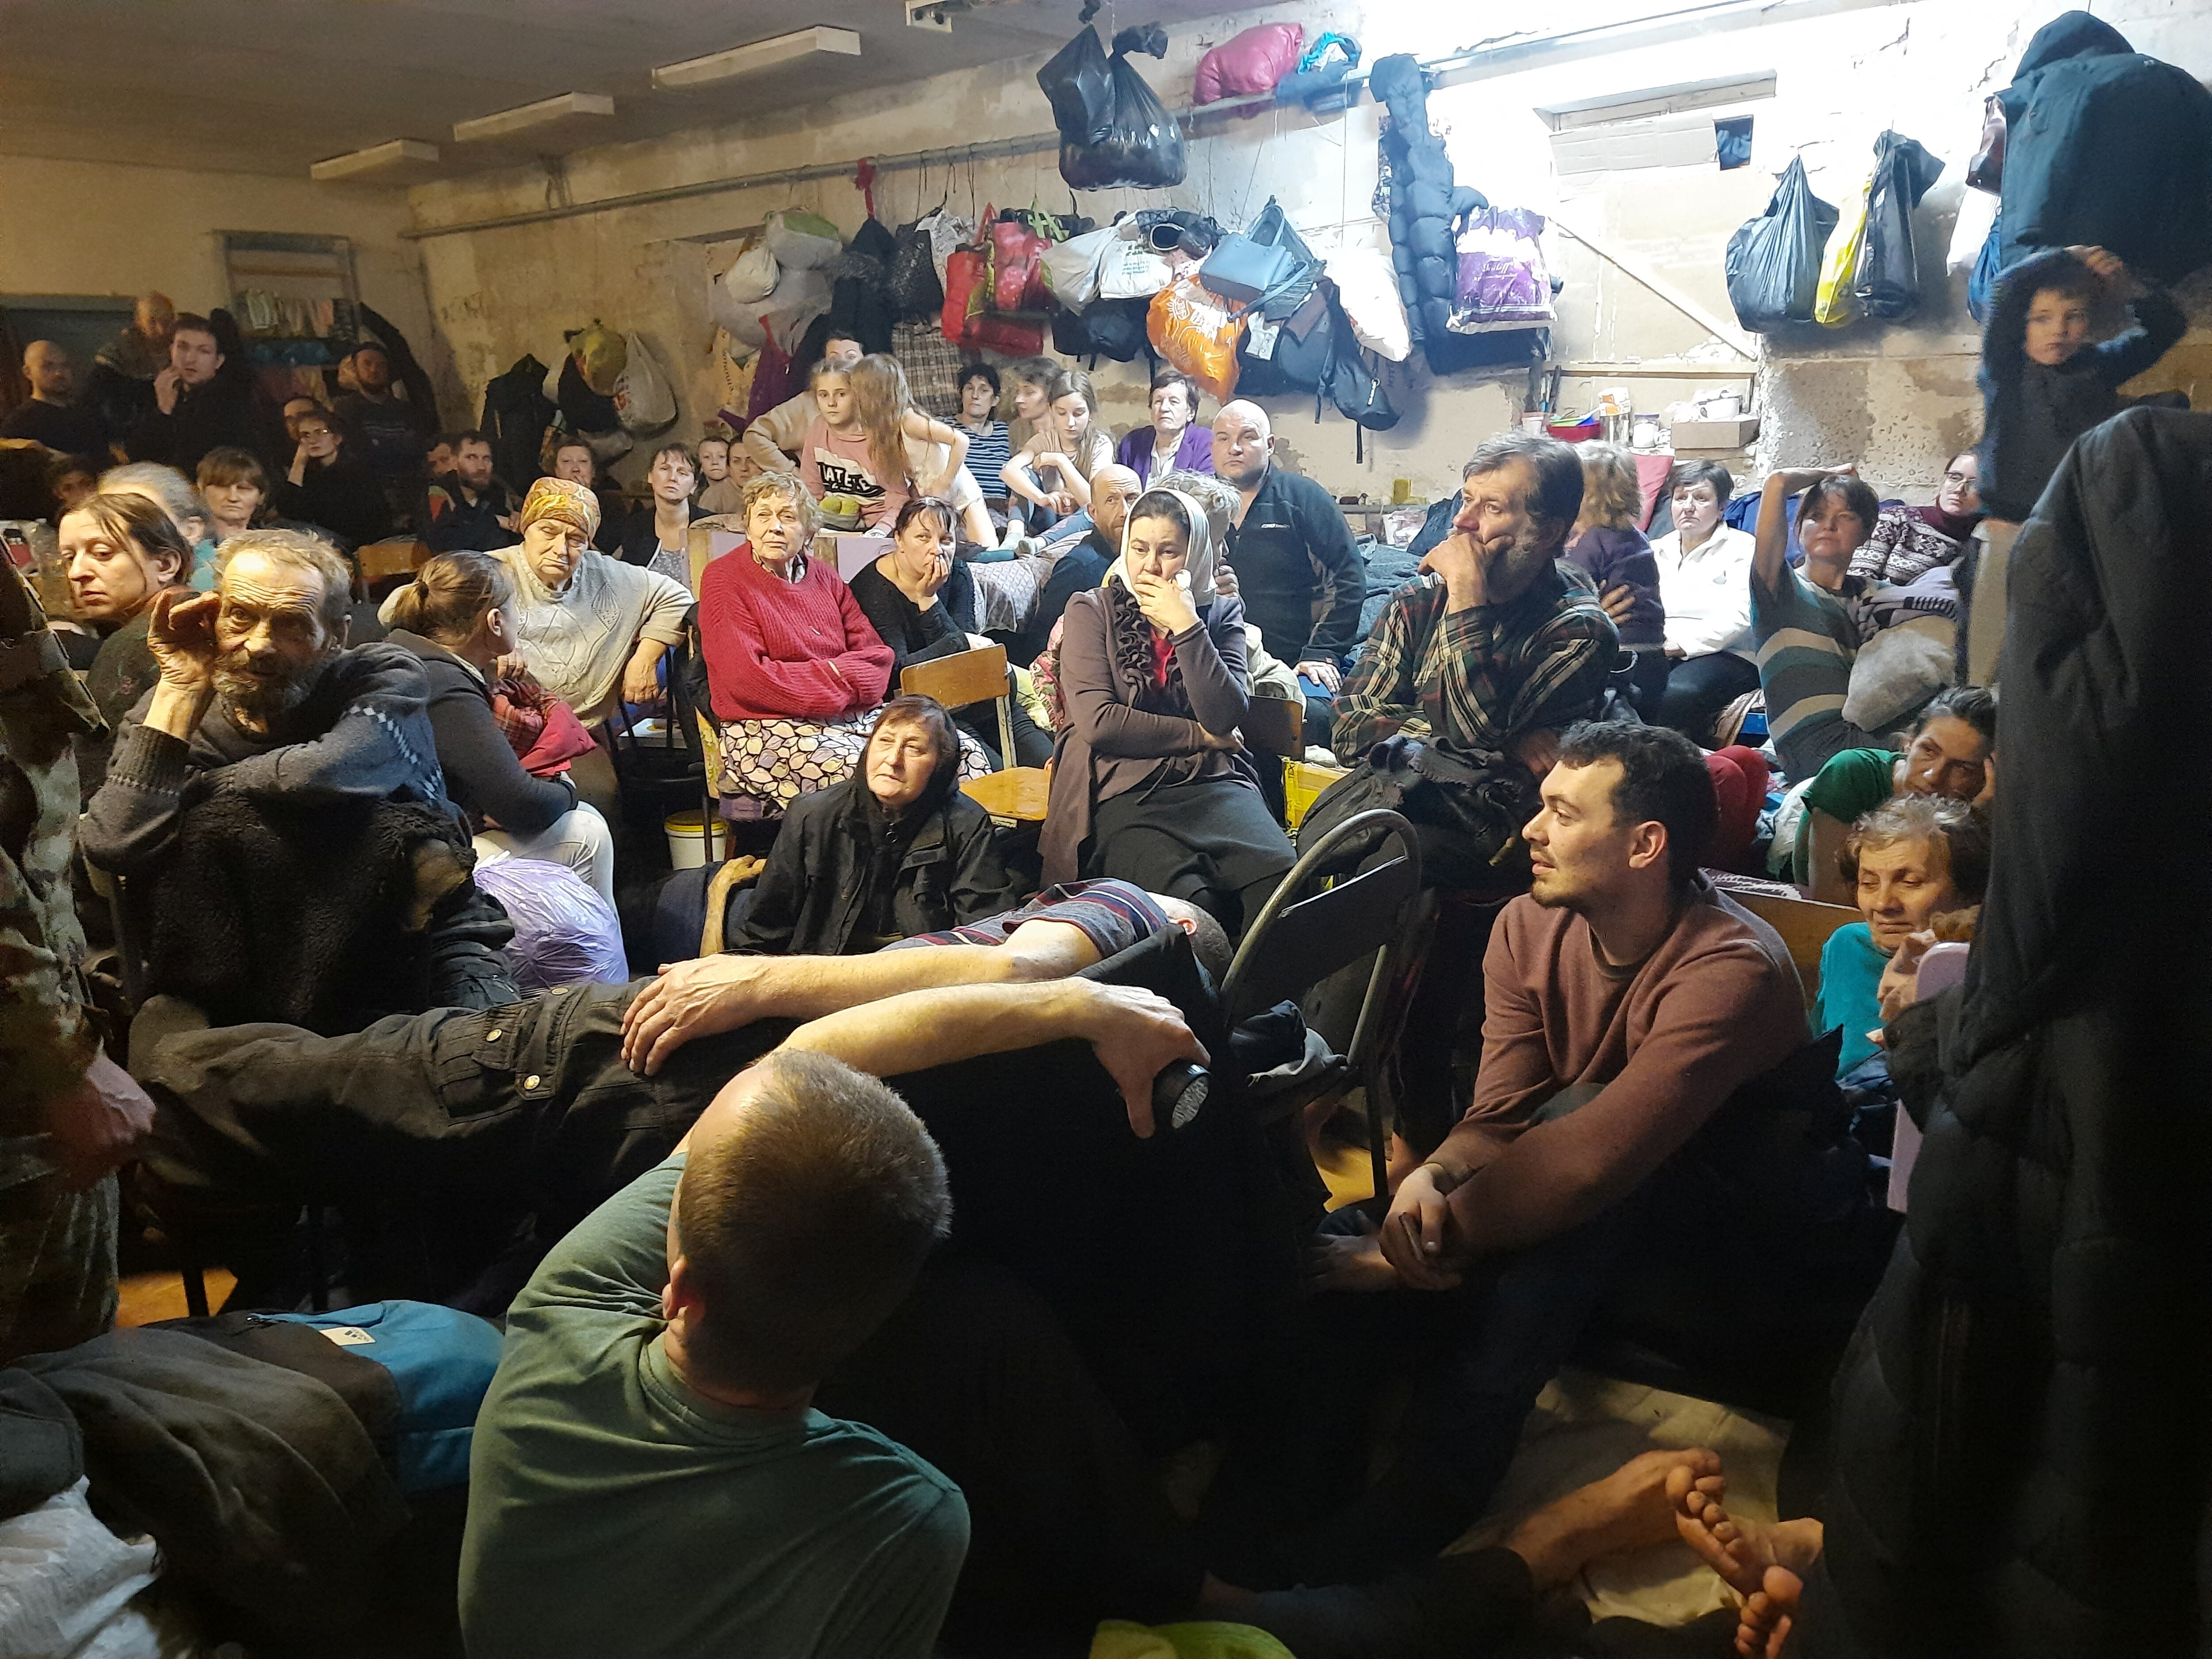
{"type": "Point", "coordinates": [794, 670]}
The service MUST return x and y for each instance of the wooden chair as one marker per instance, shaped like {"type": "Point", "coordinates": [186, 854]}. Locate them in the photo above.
{"type": "Point", "coordinates": [1018, 793]}
{"type": "Point", "coordinates": [1805, 925]}
{"type": "Point", "coordinates": [1276, 725]}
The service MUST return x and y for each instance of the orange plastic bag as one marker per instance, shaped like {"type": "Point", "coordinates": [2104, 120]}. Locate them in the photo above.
{"type": "Point", "coordinates": [1197, 331]}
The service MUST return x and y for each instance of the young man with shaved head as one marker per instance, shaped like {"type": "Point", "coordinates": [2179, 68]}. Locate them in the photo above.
{"type": "Point", "coordinates": [1298, 568]}
{"type": "Point", "coordinates": [49, 417]}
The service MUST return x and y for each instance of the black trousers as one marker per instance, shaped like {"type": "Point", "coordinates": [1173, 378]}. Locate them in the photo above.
{"type": "Point", "coordinates": [1698, 687]}
{"type": "Point", "coordinates": [465, 1121]}
{"type": "Point", "coordinates": [1213, 842]}
{"type": "Point", "coordinates": [1070, 1524]}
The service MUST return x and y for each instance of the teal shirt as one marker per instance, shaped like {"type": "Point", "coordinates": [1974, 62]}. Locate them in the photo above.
{"type": "Point", "coordinates": [614, 1511]}
{"type": "Point", "coordinates": [1850, 785]}
{"type": "Point", "coordinates": [1851, 983]}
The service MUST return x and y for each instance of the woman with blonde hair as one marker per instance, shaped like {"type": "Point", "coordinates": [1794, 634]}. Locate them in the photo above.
{"type": "Point", "coordinates": [1068, 443]}
{"type": "Point", "coordinates": [457, 616]}
{"type": "Point", "coordinates": [870, 442]}
{"type": "Point", "coordinates": [1608, 547]}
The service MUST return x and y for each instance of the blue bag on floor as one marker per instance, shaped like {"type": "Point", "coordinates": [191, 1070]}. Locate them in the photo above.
{"type": "Point", "coordinates": [441, 1360]}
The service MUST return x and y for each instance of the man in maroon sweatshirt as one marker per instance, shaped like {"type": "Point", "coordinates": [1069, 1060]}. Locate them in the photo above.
{"type": "Point", "coordinates": [1628, 1003]}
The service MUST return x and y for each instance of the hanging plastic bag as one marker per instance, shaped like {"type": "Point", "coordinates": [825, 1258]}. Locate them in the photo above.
{"type": "Point", "coordinates": [600, 352]}
{"type": "Point", "coordinates": [801, 241]}
{"type": "Point", "coordinates": [753, 277]}
{"type": "Point", "coordinates": [1079, 84]}
{"type": "Point", "coordinates": [1142, 148]}
{"type": "Point", "coordinates": [1367, 290]}
{"type": "Point", "coordinates": [644, 399]}
{"type": "Point", "coordinates": [914, 288]}
{"type": "Point", "coordinates": [1248, 64]}
{"type": "Point", "coordinates": [1977, 211]}
{"type": "Point", "coordinates": [1887, 283]}
{"type": "Point", "coordinates": [1774, 260]}
{"type": "Point", "coordinates": [1017, 285]}
{"type": "Point", "coordinates": [1197, 333]}
{"type": "Point", "coordinates": [1835, 305]}
{"type": "Point", "coordinates": [1072, 267]}
{"type": "Point", "coordinates": [1502, 280]}
{"type": "Point", "coordinates": [1130, 270]}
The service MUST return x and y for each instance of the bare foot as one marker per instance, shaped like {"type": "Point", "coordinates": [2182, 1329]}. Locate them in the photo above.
{"type": "Point", "coordinates": [1340, 1263]}
{"type": "Point", "coordinates": [1632, 1508]}
{"type": "Point", "coordinates": [1740, 1550]}
{"type": "Point", "coordinates": [1770, 1612]}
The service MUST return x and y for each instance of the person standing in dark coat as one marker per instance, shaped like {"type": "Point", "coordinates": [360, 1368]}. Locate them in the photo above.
{"type": "Point", "coordinates": [895, 850]}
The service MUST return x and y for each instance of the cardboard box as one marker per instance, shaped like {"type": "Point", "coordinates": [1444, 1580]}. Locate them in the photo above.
{"type": "Point", "coordinates": [1714, 434]}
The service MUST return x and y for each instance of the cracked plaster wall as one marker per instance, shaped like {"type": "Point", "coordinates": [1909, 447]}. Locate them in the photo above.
{"type": "Point", "coordinates": [1899, 398]}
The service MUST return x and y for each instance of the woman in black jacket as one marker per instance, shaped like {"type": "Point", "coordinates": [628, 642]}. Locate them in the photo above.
{"type": "Point", "coordinates": [454, 616]}
{"type": "Point", "coordinates": [894, 851]}
{"type": "Point", "coordinates": [922, 602]}
{"type": "Point", "coordinates": [332, 489]}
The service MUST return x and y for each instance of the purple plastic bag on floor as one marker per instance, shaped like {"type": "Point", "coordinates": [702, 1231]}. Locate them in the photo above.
{"type": "Point", "coordinates": [564, 929]}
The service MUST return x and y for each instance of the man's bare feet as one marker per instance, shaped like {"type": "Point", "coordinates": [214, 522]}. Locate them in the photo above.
{"type": "Point", "coordinates": [1749, 1555]}
{"type": "Point", "coordinates": [1341, 1263]}
{"type": "Point", "coordinates": [1770, 1612]}
{"type": "Point", "coordinates": [1632, 1508]}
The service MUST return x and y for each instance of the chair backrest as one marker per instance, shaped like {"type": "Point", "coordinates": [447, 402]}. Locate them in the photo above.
{"type": "Point", "coordinates": [1276, 725]}
{"type": "Point", "coordinates": [1805, 925]}
{"type": "Point", "coordinates": [957, 681]}
{"type": "Point", "coordinates": [1296, 942]}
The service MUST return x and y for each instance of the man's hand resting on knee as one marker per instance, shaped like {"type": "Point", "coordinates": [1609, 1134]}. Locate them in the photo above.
{"type": "Point", "coordinates": [693, 998]}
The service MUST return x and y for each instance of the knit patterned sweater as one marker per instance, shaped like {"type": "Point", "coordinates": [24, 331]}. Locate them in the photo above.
{"type": "Point", "coordinates": [796, 650]}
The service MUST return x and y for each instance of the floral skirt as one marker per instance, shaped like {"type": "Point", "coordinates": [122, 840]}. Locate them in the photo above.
{"type": "Point", "coordinates": [777, 761]}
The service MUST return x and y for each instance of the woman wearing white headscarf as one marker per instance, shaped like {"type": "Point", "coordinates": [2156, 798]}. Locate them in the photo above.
{"type": "Point", "coordinates": [1151, 783]}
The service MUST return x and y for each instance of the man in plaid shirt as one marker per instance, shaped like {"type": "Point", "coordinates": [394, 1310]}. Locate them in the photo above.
{"type": "Point", "coordinates": [1498, 647]}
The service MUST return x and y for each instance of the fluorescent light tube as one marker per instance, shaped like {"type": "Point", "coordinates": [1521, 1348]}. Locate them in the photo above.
{"type": "Point", "coordinates": [546, 111]}
{"type": "Point", "coordinates": [760, 55]}
{"type": "Point", "coordinates": [399, 152]}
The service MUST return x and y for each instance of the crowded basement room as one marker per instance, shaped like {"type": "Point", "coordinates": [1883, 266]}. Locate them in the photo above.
{"type": "Point", "coordinates": [959, 830]}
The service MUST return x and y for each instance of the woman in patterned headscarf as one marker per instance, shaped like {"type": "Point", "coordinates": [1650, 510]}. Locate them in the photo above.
{"type": "Point", "coordinates": [1151, 783]}
{"type": "Point", "coordinates": [591, 627]}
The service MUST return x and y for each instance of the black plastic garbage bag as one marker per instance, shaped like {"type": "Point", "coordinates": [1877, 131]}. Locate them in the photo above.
{"type": "Point", "coordinates": [1143, 147]}
{"type": "Point", "coordinates": [1078, 83]}
{"type": "Point", "coordinates": [1887, 281]}
{"type": "Point", "coordinates": [1774, 260]}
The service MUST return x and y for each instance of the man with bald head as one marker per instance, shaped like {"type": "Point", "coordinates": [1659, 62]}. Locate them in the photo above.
{"type": "Point", "coordinates": [142, 350]}
{"type": "Point", "coordinates": [50, 417]}
{"type": "Point", "coordinates": [1300, 573]}
{"type": "Point", "coordinates": [1082, 549]}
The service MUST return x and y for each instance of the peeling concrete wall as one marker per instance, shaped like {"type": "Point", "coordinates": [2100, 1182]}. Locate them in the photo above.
{"type": "Point", "coordinates": [93, 229]}
{"type": "Point", "coordinates": [1899, 398]}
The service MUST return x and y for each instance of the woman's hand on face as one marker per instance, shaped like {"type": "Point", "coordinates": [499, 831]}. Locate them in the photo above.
{"type": "Point", "coordinates": [939, 573]}
{"type": "Point", "coordinates": [1165, 603]}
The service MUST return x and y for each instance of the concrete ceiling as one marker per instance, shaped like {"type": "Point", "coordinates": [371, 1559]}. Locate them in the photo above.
{"type": "Point", "coordinates": [271, 86]}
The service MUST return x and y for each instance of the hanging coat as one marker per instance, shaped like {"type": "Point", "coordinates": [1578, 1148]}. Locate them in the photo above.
{"type": "Point", "coordinates": [2106, 147]}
